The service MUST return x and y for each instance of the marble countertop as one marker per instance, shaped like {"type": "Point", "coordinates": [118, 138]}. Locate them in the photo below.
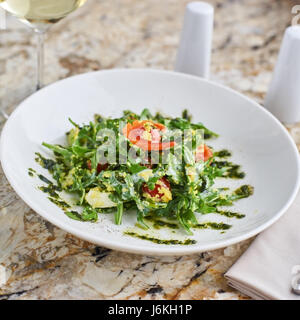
{"type": "Point", "coordinates": [40, 261]}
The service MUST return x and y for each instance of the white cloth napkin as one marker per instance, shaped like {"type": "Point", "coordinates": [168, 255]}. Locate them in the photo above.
{"type": "Point", "coordinates": [264, 271]}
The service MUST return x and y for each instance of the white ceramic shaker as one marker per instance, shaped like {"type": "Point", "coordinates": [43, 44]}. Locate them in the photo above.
{"type": "Point", "coordinates": [194, 51]}
{"type": "Point", "coordinates": [283, 97]}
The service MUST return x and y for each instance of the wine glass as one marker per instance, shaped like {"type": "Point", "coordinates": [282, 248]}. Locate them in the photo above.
{"type": "Point", "coordinates": [40, 15]}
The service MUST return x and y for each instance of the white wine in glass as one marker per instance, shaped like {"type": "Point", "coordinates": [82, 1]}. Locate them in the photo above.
{"type": "Point", "coordinates": [40, 15]}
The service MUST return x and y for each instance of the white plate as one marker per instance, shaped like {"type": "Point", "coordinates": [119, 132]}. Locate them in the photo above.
{"type": "Point", "coordinates": [258, 141]}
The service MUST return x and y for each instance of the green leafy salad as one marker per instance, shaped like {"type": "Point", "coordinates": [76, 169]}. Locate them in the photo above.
{"type": "Point", "coordinates": [163, 168]}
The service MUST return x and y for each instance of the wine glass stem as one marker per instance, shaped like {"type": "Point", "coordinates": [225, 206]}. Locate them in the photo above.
{"type": "Point", "coordinates": [40, 58]}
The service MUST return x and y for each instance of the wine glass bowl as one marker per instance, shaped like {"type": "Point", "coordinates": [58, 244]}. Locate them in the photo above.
{"type": "Point", "coordinates": [40, 15]}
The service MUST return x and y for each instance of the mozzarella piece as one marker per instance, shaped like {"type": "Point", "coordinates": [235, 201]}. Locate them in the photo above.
{"type": "Point", "coordinates": [146, 174]}
{"type": "Point", "coordinates": [99, 199]}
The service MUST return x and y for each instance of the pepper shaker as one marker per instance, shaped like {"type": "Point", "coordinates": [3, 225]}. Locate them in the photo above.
{"type": "Point", "coordinates": [283, 97]}
{"type": "Point", "coordinates": [194, 51]}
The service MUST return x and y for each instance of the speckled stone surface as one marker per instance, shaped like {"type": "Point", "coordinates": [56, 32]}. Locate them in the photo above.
{"type": "Point", "coordinates": [40, 261]}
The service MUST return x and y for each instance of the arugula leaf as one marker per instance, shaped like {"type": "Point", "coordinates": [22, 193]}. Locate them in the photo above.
{"type": "Point", "coordinates": [88, 214]}
{"type": "Point", "coordinates": [74, 215]}
{"type": "Point", "coordinates": [146, 115]}
{"type": "Point", "coordinates": [135, 168]}
{"type": "Point", "coordinates": [59, 149]}
{"type": "Point", "coordinates": [119, 213]}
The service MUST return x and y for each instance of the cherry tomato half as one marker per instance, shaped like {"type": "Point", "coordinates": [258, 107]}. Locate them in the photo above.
{"type": "Point", "coordinates": [203, 153]}
{"type": "Point", "coordinates": [161, 191]}
{"type": "Point", "coordinates": [100, 167]}
{"type": "Point", "coordinates": [146, 135]}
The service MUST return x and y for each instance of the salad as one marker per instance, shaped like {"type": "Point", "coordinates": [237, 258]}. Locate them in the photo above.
{"type": "Point", "coordinates": [158, 166]}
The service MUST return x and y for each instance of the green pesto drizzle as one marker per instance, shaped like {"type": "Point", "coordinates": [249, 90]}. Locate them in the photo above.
{"type": "Point", "coordinates": [162, 224]}
{"type": "Point", "coordinates": [45, 163]}
{"type": "Point", "coordinates": [44, 179]}
{"type": "Point", "coordinates": [222, 153]}
{"type": "Point", "coordinates": [213, 225]}
{"type": "Point", "coordinates": [158, 224]}
{"type": "Point", "coordinates": [232, 170]}
{"type": "Point", "coordinates": [51, 190]}
{"type": "Point", "coordinates": [230, 214]}
{"type": "Point", "coordinates": [244, 191]}
{"type": "Point", "coordinates": [54, 196]}
{"type": "Point", "coordinates": [160, 241]}
{"type": "Point", "coordinates": [31, 172]}
{"type": "Point", "coordinates": [207, 136]}
{"type": "Point", "coordinates": [60, 203]}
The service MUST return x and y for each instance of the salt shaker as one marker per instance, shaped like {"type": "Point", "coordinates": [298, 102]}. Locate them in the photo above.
{"type": "Point", "coordinates": [194, 51]}
{"type": "Point", "coordinates": [283, 97]}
